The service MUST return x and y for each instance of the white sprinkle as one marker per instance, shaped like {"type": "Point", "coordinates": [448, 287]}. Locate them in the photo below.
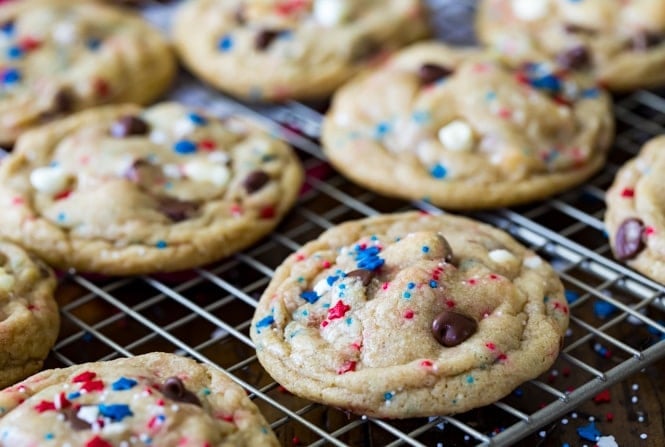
{"type": "Point", "coordinates": [530, 9]}
{"type": "Point", "coordinates": [569, 332]}
{"type": "Point", "coordinates": [573, 415]}
{"type": "Point", "coordinates": [65, 33]}
{"type": "Point", "coordinates": [564, 421]}
{"type": "Point", "coordinates": [533, 262]}
{"type": "Point", "coordinates": [634, 399]}
{"type": "Point", "coordinates": [49, 179]}
{"type": "Point", "coordinates": [175, 407]}
{"type": "Point", "coordinates": [172, 171]}
{"type": "Point", "coordinates": [158, 137]}
{"type": "Point", "coordinates": [219, 157]}
{"type": "Point", "coordinates": [202, 171]}
{"type": "Point", "coordinates": [591, 418]}
{"type": "Point", "coordinates": [542, 433]}
{"type": "Point", "coordinates": [457, 136]}
{"type": "Point", "coordinates": [501, 256]}
{"type": "Point", "coordinates": [321, 287]}
{"type": "Point", "coordinates": [640, 419]}
{"type": "Point", "coordinates": [635, 387]}
{"type": "Point", "coordinates": [183, 127]}
{"type": "Point", "coordinates": [331, 12]}
{"type": "Point", "coordinates": [606, 441]}
{"type": "Point", "coordinates": [644, 436]}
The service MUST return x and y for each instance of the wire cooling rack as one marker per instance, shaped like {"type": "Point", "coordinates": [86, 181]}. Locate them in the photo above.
{"type": "Point", "coordinates": [617, 314]}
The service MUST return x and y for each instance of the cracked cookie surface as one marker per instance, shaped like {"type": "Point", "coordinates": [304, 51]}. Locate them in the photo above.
{"type": "Point", "coordinates": [61, 56]}
{"type": "Point", "coordinates": [410, 315]}
{"type": "Point", "coordinates": [125, 190]}
{"type": "Point", "coordinates": [291, 49]}
{"type": "Point", "coordinates": [464, 131]}
{"type": "Point", "coordinates": [153, 399]}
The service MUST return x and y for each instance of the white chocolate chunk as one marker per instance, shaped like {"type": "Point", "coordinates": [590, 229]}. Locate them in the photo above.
{"type": "Point", "coordinates": [331, 12]}
{"type": "Point", "coordinates": [501, 256]}
{"type": "Point", "coordinates": [457, 136]}
{"type": "Point", "coordinates": [533, 262]}
{"type": "Point", "coordinates": [203, 171]}
{"type": "Point", "coordinates": [65, 33]}
{"type": "Point", "coordinates": [530, 9]}
{"type": "Point", "coordinates": [49, 179]}
{"type": "Point", "coordinates": [321, 287]}
{"type": "Point", "coordinates": [172, 171]}
{"type": "Point", "coordinates": [88, 413]}
{"type": "Point", "coordinates": [6, 281]}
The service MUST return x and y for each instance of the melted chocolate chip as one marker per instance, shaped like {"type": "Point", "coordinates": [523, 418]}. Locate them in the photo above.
{"type": "Point", "coordinates": [75, 422]}
{"type": "Point", "coordinates": [129, 125]}
{"type": "Point", "coordinates": [645, 40]}
{"type": "Point", "coordinates": [175, 209]}
{"type": "Point", "coordinates": [63, 102]}
{"type": "Point", "coordinates": [144, 173]}
{"type": "Point", "coordinates": [451, 328]}
{"type": "Point", "coordinates": [255, 180]}
{"type": "Point", "coordinates": [448, 250]}
{"type": "Point", "coordinates": [174, 389]}
{"type": "Point", "coordinates": [364, 275]}
{"type": "Point", "coordinates": [430, 73]}
{"type": "Point", "coordinates": [628, 241]}
{"type": "Point", "coordinates": [266, 37]}
{"type": "Point", "coordinates": [574, 58]}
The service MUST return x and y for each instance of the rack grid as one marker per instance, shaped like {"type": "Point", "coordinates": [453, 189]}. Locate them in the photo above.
{"type": "Point", "coordinates": [206, 313]}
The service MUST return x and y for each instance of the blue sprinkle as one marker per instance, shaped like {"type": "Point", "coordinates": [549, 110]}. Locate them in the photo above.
{"type": "Point", "coordinates": [184, 147]}
{"type": "Point", "coordinates": [74, 395]}
{"type": "Point", "coordinates": [438, 171]}
{"type": "Point", "coordinates": [265, 321]}
{"type": "Point", "coordinates": [49, 436]}
{"type": "Point", "coordinates": [14, 53]}
{"type": "Point", "coordinates": [197, 119]}
{"type": "Point", "coordinates": [373, 238]}
{"type": "Point", "coordinates": [87, 336]}
{"type": "Point", "coordinates": [565, 444]}
{"type": "Point", "coordinates": [342, 286]}
{"type": "Point", "coordinates": [548, 82]}
{"type": "Point", "coordinates": [591, 93]}
{"type": "Point", "coordinates": [372, 263]}
{"type": "Point", "coordinates": [61, 217]}
{"type": "Point", "coordinates": [206, 391]}
{"type": "Point", "coordinates": [407, 295]}
{"type": "Point", "coordinates": [225, 43]}
{"type": "Point", "coordinates": [571, 296]}
{"type": "Point", "coordinates": [420, 116]}
{"type": "Point", "coordinates": [115, 412]}
{"type": "Point", "coordinates": [349, 321]}
{"type": "Point", "coordinates": [7, 28]}
{"type": "Point", "coordinates": [305, 312]}
{"type": "Point", "coordinates": [470, 379]}
{"type": "Point", "coordinates": [161, 244]}
{"type": "Point", "coordinates": [433, 284]}
{"type": "Point", "coordinates": [11, 76]}
{"type": "Point", "coordinates": [489, 96]}
{"type": "Point", "coordinates": [388, 395]}
{"type": "Point", "coordinates": [603, 309]}
{"type": "Point", "coordinates": [331, 279]}
{"type": "Point", "coordinates": [425, 249]}
{"type": "Point", "coordinates": [411, 285]}
{"type": "Point", "coordinates": [93, 43]}
{"type": "Point", "coordinates": [382, 129]}
{"type": "Point", "coordinates": [310, 296]}
{"type": "Point", "coordinates": [589, 432]}
{"type": "Point", "coordinates": [123, 383]}
{"type": "Point", "coordinates": [519, 392]}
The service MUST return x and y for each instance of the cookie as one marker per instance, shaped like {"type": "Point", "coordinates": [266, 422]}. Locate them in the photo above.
{"type": "Point", "coordinates": [410, 315]}
{"type": "Point", "coordinates": [290, 49]}
{"type": "Point", "coordinates": [61, 56]}
{"type": "Point", "coordinates": [122, 190]}
{"type": "Point", "coordinates": [635, 215]}
{"type": "Point", "coordinates": [462, 130]}
{"type": "Point", "coordinates": [30, 319]}
{"type": "Point", "coordinates": [153, 399]}
{"type": "Point", "coordinates": [622, 43]}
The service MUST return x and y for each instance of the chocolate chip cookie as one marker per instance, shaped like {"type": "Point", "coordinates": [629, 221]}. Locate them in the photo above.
{"type": "Point", "coordinates": [622, 43]}
{"type": "Point", "coordinates": [282, 49]}
{"type": "Point", "coordinates": [635, 217]}
{"type": "Point", "coordinates": [462, 130]}
{"type": "Point", "coordinates": [154, 399]}
{"type": "Point", "coordinates": [29, 315]}
{"type": "Point", "coordinates": [61, 56]}
{"type": "Point", "coordinates": [124, 190]}
{"type": "Point", "coordinates": [410, 315]}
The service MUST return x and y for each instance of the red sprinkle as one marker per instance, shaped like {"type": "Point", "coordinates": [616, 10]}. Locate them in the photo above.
{"type": "Point", "coordinates": [385, 285]}
{"type": "Point", "coordinates": [426, 363]}
{"type": "Point", "coordinates": [565, 371]}
{"type": "Point", "coordinates": [86, 376]}
{"type": "Point", "coordinates": [93, 385]}
{"type": "Point", "coordinates": [649, 231]}
{"type": "Point", "coordinates": [102, 88]}
{"type": "Point", "coordinates": [300, 257]}
{"type": "Point", "coordinates": [290, 6]}
{"type": "Point", "coordinates": [29, 43]}
{"type": "Point", "coordinates": [325, 264]}
{"type": "Point", "coordinates": [207, 145]}
{"type": "Point", "coordinates": [408, 314]}
{"type": "Point", "coordinates": [98, 442]}
{"type": "Point", "coordinates": [472, 282]}
{"type": "Point", "coordinates": [450, 304]}
{"type": "Point", "coordinates": [491, 346]}
{"type": "Point", "coordinates": [609, 417]}
{"type": "Point", "coordinates": [325, 323]}
{"type": "Point", "coordinates": [628, 192]}
{"type": "Point", "coordinates": [338, 311]}
{"type": "Point", "coordinates": [603, 396]}
{"type": "Point", "coordinates": [267, 212]}
{"type": "Point", "coordinates": [18, 201]}
{"type": "Point", "coordinates": [44, 405]}
{"type": "Point", "coordinates": [349, 365]}
{"type": "Point", "coordinates": [63, 194]}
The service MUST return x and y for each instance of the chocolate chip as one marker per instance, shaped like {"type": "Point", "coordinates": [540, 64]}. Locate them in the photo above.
{"type": "Point", "coordinates": [364, 275]}
{"type": "Point", "coordinates": [577, 29]}
{"type": "Point", "coordinates": [174, 389]}
{"type": "Point", "coordinates": [430, 73]}
{"type": "Point", "coordinates": [129, 125]}
{"type": "Point", "coordinates": [265, 37]}
{"type": "Point", "coordinates": [645, 40]}
{"type": "Point", "coordinates": [451, 328]}
{"type": "Point", "coordinates": [75, 422]}
{"type": "Point", "coordinates": [447, 249]}
{"type": "Point", "coordinates": [175, 209]}
{"type": "Point", "coordinates": [63, 102]}
{"type": "Point", "coordinates": [255, 180]}
{"type": "Point", "coordinates": [574, 58]}
{"type": "Point", "coordinates": [628, 241]}
{"type": "Point", "coordinates": [144, 173]}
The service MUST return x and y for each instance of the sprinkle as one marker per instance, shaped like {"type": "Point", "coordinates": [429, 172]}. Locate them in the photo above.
{"type": "Point", "coordinates": [10, 76]}
{"type": "Point", "coordinates": [225, 43]}
{"type": "Point", "coordinates": [85, 376]}
{"type": "Point", "coordinates": [643, 436]}
{"type": "Point", "coordinates": [14, 53]}
{"type": "Point", "coordinates": [382, 129]}
{"type": "Point", "coordinates": [589, 432]}
{"type": "Point", "coordinates": [603, 309]}
{"type": "Point", "coordinates": [628, 192]}
{"type": "Point", "coordinates": [590, 93]}
{"type": "Point", "coordinates": [388, 395]}
{"type": "Point", "coordinates": [184, 147]}
{"type": "Point", "coordinates": [161, 244]}
{"type": "Point", "coordinates": [338, 311]}
{"type": "Point", "coordinates": [410, 285]}
{"type": "Point", "coordinates": [425, 249]}
{"type": "Point", "coordinates": [197, 119]}
{"type": "Point", "coordinates": [420, 116]}
{"type": "Point", "coordinates": [548, 82]}
{"type": "Point", "coordinates": [93, 385]}
{"type": "Point", "coordinates": [433, 284]}
{"type": "Point", "coordinates": [571, 296]}
{"type": "Point", "coordinates": [408, 314]}
{"type": "Point", "coordinates": [7, 28]}
{"type": "Point", "coordinates": [123, 383]}
{"type": "Point", "coordinates": [98, 442]}
{"type": "Point", "coordinates": [49, 436]}
{"type": "Point", "coordinates": [438, 171]}
{"type": "Point", "coordinates": [349, 365]}
{"type": "Point", "coordinates": [93, 43]}
{"type": "Point", "coordinates": [602, 397]}
{"type": "Point", "coordinates": [74, 395]}
{"type": "Point", "coordinates": [470, 379]}
{"type": "Point", "coordinates": [115, 412]}
{"type": "Point", "coordinates": [407, 295]}
{"type": "Point", "coordinates": [310, 296]}
{"type": "Point", "coordinates": [265, 322]}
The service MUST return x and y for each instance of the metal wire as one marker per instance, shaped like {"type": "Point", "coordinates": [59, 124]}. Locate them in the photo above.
{"type": "Point", "coordinates": [206, 313]}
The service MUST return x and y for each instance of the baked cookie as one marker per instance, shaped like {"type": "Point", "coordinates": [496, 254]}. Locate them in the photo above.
{"type": "Point", "coordinates": [61, 56]}
{"type": "Point", "coordinates": [460, 129]}
{"type": "Point", "coordinates": [410, 315]}
{"type": "Point", "coordinates": [153, 399]}
{"type": "Point", "coordinates": [621, 42]}
{"type": "Point", "coordinates": [30, 319]}
{"type": "Point", "coordinates": [635, 215]}
{"type": "Point", "coordinates": [122, 190]}
{"type": "Point", "coordinates": [280, 49]}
